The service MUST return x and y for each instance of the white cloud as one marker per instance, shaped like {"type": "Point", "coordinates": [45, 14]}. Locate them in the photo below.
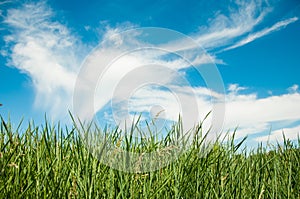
{"type": "Point", "coordinates": [5, 2]}
{"type": "Point", "coordinates": [234, 88]}
{"type": "Point", "coordinates": [225, 30]}
{"type": "Point", "coordinates": [46, 51]}
{"type": "Point", "coordinates": [2, 13]}
{"type": "Point", "coordinates": [205, 59]}
{"type": "Point", "coordinates": [123, 76]}
{"type": "Point", "coordinates": [222, 30]}
{"type": "Point", "coordinates": [87, 28]}
{"type": "Point", "coordinates": [293, 88]}
{"type": "Point", "coordinates": [264, 32]}
{"type": "Point", "coordinates": [249, 111]}
{"type": "Point", "coordinates": [292, 133]}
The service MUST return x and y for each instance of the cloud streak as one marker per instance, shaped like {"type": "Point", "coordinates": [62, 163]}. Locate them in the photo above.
{"type": "Point", "coordinates": [264, 32]}
{"type": "Point", "coordinates": [223, 29]}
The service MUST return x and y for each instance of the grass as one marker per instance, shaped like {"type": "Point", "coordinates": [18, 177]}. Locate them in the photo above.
{"type": "Point", "coordinates": [52, 162]}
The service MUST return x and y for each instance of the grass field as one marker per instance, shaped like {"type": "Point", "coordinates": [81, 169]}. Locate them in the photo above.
{"type": "Point", "coordinates": [52, 162]}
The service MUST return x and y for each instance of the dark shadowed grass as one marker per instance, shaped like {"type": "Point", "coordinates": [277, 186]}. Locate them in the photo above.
{"type": "Point", "coordinates": [52, 162]}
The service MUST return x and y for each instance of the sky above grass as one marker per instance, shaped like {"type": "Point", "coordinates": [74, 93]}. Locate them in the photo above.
{"type": "Point", "coordinates": [254, 46]}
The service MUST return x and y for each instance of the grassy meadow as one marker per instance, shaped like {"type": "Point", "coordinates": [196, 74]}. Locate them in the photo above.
{"type": "Point", "coordinates": [51, 161]}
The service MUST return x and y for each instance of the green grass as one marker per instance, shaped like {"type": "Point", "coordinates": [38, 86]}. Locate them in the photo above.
{"type": "Point", "coordinates": [52, 162]}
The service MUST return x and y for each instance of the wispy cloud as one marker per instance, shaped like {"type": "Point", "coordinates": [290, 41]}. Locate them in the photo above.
{"type": "Point", "coordinates": [292, 133]}
{"type": "Point", "coordinates": [234, 88]}
{"type": "Point", "coordinates": [294, 88]}
{"type": "Point", "coordinates": [264, 32]}
{"type": "Point", "coordinates": [233, 29]}
{"type": "Point", "coordinates": [5, 2]}
{"type": "Point", "coordinates": [45, 50]}
{"type": "Point", "coordinates": [223, 29]}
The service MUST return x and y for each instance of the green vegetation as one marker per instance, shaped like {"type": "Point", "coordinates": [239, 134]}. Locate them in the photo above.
{"type": "Point", "coordinates": [52, 162]}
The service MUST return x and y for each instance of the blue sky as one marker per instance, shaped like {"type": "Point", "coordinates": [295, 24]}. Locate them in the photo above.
{"type": "Point", "coordinates": [254, 46]}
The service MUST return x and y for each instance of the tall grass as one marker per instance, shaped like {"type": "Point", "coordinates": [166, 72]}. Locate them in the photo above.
{"type": "Point", "coordinates": [51, 161]}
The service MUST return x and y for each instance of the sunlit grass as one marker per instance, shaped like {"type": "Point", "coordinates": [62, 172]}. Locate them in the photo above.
{"type": "Point", "coordinates": [52, 162]}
